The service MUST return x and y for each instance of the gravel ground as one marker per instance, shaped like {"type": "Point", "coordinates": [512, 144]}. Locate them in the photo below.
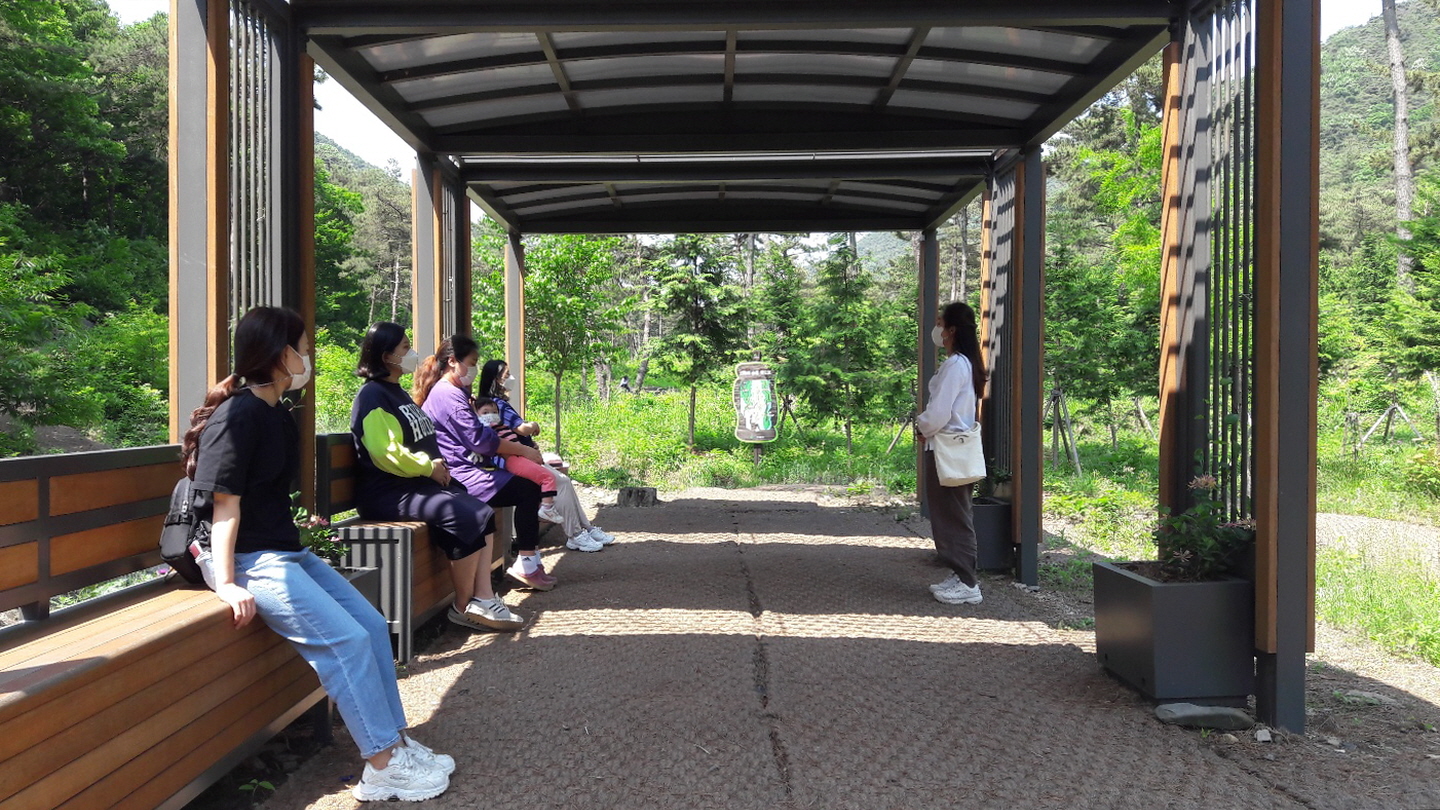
{"type": "Point", "coordinates": [776, 647]}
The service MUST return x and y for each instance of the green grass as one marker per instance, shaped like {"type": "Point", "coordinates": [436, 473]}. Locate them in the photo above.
{"type": "Point", "coordinates": [1396, 604]}
{"type": "Point", "coordinates": [640, 440]}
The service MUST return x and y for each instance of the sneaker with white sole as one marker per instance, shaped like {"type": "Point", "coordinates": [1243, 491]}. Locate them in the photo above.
{"type": "Point", "coordinates": [583, 542]}
{"type": "Point", "coordinates": [947, 584]}
{"type": "Point", "coordinates": [494, 614]}
{"type": "Point", "coordinates": [961, 594]}
{"type": "Point", "coordinates": [550, 514]}
{"type": "Point", "coordinates": [427, 755]}
{"type": "Point", "coordinates": [601, 536]}
{"type": "Point", "coordinates": [406, 778]}
{"type": "Point", "coordinates": [538, 581]}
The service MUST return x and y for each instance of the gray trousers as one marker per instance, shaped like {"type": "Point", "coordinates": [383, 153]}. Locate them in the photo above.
{"type": "Point", "coordinates": [952, 523]}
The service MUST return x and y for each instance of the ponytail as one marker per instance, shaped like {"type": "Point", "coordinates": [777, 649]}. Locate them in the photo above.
{"type": "Point", "coordinates": [425, 377]}
{"type": "Point", "coordinates": [190, 447]}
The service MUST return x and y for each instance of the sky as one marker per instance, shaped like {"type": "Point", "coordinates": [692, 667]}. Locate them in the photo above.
{"type": "Point", "coordinates": [347, 122]}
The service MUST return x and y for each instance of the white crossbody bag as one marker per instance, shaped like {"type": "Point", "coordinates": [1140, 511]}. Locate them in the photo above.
{"type": "Point", "coordinates": [959, 459]}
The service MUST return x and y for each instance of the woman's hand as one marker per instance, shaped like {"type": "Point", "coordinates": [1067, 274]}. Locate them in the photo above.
{"type": "Point", "coordinates": [440, 473]}
{"type": "Point", "coordinates": [241, 602]}
{"type": "Point", "coordinates": [533, 454]}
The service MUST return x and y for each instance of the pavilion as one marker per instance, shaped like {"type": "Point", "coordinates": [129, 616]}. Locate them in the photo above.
{"type": "Point", "coordinates": [558, 116]}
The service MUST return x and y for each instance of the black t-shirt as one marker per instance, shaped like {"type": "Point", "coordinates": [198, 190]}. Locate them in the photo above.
{"type": "Point", "coordinates": [252, 450]}
{"type": "Point", "coordinates": [399, 413]}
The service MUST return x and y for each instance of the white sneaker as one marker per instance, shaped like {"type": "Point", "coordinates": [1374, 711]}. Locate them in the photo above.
{"type": "Point", "coordinates": [948, 584]}
{"type": "Point", "coordinates": [583, 542]}
{"type": "Point", "coordinates": [494, 614]}
{"type": "Point", "coordinates": [601, 537]}
{"type": "Point", "coordinates": [406, 778]}
{"type": "Point", "coordinates": [961, 594]}
{"type": "Point", "coordinates": [550, 514]}
{"type": "Point", "coordinates": [426, 755]}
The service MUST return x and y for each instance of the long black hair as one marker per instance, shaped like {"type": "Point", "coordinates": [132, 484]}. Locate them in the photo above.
{"type": "Point", "coordinates": [261, 337]}
{"type": "Point", "coordinates": [379, 343]}
{"type": "Point", "coordinates": [490, 379]}
{"type": "Point", "coordinates": [966, 340]}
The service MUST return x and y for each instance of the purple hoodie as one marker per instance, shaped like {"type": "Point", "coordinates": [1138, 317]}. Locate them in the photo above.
{"type": "Point", "coordinates": [463, 438]}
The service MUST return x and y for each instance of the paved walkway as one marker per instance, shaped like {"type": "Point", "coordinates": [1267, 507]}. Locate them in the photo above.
{"type": "Point", "coordinates": [758, 649]}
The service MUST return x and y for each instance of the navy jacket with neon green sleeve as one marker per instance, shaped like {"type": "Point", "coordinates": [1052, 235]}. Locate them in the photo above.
{"type": "Point", "coordinates": [393, 436]}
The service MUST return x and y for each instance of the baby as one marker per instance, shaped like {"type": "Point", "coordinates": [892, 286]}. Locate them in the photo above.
{"type": "Point", "coordinates": [489, 414]}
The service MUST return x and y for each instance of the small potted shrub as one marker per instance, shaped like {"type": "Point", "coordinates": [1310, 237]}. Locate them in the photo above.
{"type": "Point", "coordinates": [991, 507]}
{"type": "Point", "coordinates": [1182, 627]}
{"type": "Point", "coordinates": [317, 535]}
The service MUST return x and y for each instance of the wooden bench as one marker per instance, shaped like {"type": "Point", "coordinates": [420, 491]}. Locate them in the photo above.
{"type": "Point", "coordinates": [139, 699]}
{"type": "Point", "coordinates": [415, 580]}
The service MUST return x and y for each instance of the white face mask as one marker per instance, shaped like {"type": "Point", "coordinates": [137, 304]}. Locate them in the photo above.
{"type": "Point", "coordinates": [468, 376]}
{"type": "Point", "coordinates": [298, 381]}
{"type": "Point", "coordinates": [408, 362]}
{"type": "Point", "coordinates": [491, 419]}
{"type": "Point", "coordinates": [937, 336]}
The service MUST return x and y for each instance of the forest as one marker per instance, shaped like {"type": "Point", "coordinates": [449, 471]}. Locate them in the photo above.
{"type": "Point", "coordinates": [83, 268]}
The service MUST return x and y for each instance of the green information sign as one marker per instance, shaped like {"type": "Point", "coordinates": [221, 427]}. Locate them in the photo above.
{"type": "Point", "coordinates": [756, 406]}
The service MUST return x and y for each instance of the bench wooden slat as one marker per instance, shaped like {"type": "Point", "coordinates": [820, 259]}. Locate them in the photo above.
{"type": "Point", "coordinates": [146, 783]}
{"type": "Point", "coordinates": [67, 652]}
{"type": "Point", "coordinates": [19, 565]}
{"type": "Point", "coordinates": [19, 501]}
{"type": "Point", "coordinates": [237, 691]}
{"type": "Point", "coordinates": [97, 490]}
{"type": "Point", "coordinates": [61, 731]}
{"type": "Point", "coordinates": [72, 552]}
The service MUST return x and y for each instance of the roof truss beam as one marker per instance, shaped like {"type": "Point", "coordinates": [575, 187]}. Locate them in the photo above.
{"type": "Point", "coordinates": [370, 17]}
{"type": "Point", "coordinates": [500, 170]}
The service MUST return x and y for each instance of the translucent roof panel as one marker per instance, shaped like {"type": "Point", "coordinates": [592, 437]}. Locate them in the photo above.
{"type": "Point", "coordinates": [561, 190]}
{"type": "Point", "coordinates": [882, 188]}
{"type": "Point", "coordinates": [477, 81]}
{"type": "Point", "coordinates": [815, 64]}
{"type": "Point", "coordinates": [955, 103]}
{"type": "Point", "coordinates": [805, 94]}
{"type": "Point", "coordinates": [572, 205]}
{"type": "Point", "coordinates": [429, 50]}
{"type": "Point", "coordinates": [878, 36]}
{"type": "Point", "coordinates": [1030, 81]}
{"type": "Point", "coordinates": [637, 96]}
{"type": "Point", "coordinates": [489, 111]}
{"type": "Point", "coordinates": [630, 67]}
{"type": "Point", "coordinates": [1019, 42]}
{"type": "Point", "coordinates": [871, 202]}
{"type": "Point", "coordinates": [598, 39]}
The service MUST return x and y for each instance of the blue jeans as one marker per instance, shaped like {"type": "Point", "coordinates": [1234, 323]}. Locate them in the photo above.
{"type": "Point", "coordinates": [342, 636]}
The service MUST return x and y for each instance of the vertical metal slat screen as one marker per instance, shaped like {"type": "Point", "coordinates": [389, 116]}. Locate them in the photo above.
{"type": "Point", "coordinates": [1231, 310]}
{"type": "Point", "coordinates": [1001, 337]}
{"type": "Point", "coordinates": [257, 243]}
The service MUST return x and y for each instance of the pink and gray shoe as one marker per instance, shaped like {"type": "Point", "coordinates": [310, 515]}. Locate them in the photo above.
{"type": "Point", "coordinates": [538, 581]}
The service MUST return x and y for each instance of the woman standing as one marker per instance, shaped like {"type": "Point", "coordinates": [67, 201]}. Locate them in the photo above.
{"type": "Point", "coordinates": [242, 452]}
{"type": "Point", "coordinates": [954, 393]}
{"type": "Point", "coordinates": [441, 389]}
{"type": "Point", "coordinates": [401, 476]}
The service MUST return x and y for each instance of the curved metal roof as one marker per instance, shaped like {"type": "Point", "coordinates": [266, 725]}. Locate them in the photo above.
{"type": "Point", "coordinates": [785, 115]}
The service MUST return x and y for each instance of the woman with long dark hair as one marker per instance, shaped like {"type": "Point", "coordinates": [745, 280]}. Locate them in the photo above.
{"type": "Point", "coordinates": [494, 384]}
{"type": "Point", "coordinates": [954, 397]}
{"type": "Point", "coordinates": [243, 453]}
{"type": "Point", "coordinates": [401, 475]}
{"type": "Point", "coordinates": [442, 390]}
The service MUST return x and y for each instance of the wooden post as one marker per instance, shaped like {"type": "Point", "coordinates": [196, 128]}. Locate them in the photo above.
{"type": "Point", "coordinates": [303, 111]}
{"type": "Point", "coordinates": [1286, 317]}
{"type": "Point", "coordinates": [515, 317]}
{"type": "Point", "coordinates": [1172, 411]}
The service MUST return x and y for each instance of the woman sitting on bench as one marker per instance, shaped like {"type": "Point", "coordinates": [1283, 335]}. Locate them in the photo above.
{"type": "Point", "coordinates": [242, 452]}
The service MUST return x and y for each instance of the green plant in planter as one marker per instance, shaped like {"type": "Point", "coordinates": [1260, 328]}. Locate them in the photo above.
{"type": "Point", "coordinates": [1202, 543]}
{"type": "Point", "coordinates": [996, 483]}
{"type": "Point", "coordinates": [316, 533]}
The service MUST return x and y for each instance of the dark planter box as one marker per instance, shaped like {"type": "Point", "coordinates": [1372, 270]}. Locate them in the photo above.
{"type": "Point", "coordinates": [995, 547]}
{"type": "Point", "coordinates": [366, 581]}
{"type": "Point", "coordinates": [1192, 641]}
